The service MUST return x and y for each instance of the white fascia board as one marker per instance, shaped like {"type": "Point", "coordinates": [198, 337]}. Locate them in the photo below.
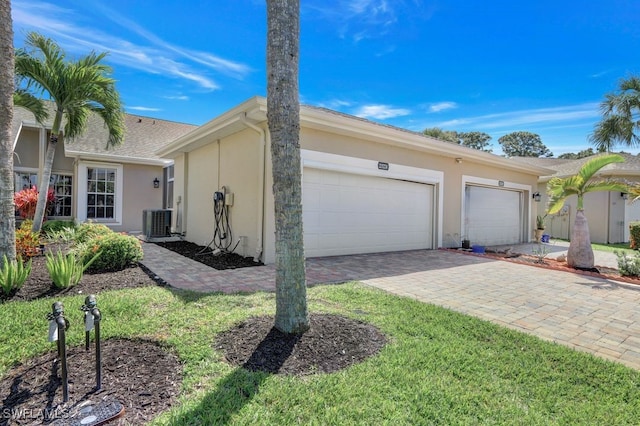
{"type": "Point", "coordinates": [207, 132]}
{"type": "Point", "coordinates": [84, 156]}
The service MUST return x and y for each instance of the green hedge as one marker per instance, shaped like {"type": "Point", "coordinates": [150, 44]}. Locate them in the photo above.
{"type": "Point", "coordinates": [634, 238]}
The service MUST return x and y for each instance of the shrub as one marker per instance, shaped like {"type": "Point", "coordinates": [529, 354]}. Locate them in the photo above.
{"type": "Point", "coordinates": [52, 227]}
{"type": "Point", "coordinates": [89, 230]}
{"type": "Point", "coordinates": [27, 241]}
{"type": "Point", "coordinates": [27, 199]}
{"type": "Point", "coordinates": [628, 266]}
{"type": "Point", "coordinates": [13, 274]}
{"type": "Point", "coordinates": [634, 237]}
{"type": "Point", "coordinates": [118, 252]}
{"type": "Point", "coordinates": [66, 270]}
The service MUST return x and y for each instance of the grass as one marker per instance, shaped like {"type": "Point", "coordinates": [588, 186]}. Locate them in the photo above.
{"type": "Point", "coordinates": [440, 367]}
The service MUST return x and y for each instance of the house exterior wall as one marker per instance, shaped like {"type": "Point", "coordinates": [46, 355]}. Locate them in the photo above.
{"type": "Point", "coordinates": [234, 162]}
{"type": "Point", "coordinates": [202, 175]}
{"type": "Point", "coordinates": [27, 149]}
{"type": "Point", "coordinates": [139, 197]}
{"type": "Point", "coordinates": [608, 215]}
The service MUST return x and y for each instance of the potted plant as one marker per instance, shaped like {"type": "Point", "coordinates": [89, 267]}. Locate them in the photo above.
{"type": "Point", "coordinates": [539, 227]}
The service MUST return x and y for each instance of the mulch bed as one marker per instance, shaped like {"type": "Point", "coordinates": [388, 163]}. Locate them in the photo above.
{"type": "Point", "coordinates": [140, 374]}
{"type": "Point", "coordinates": [332, 343]}
{"type": "Point", "coordinates": [203, 255]}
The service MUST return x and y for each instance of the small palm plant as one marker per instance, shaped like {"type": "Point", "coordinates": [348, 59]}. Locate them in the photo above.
{"type": "Point", "coordinates": [66, 270]}
{"type": "Point", "coordinates": [13, 274]}
{"type": "Point", "coordinates": [580, 253]}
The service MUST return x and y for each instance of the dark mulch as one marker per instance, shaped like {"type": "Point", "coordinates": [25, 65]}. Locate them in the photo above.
{"type": "Point", "coordinates": [332, 343]}
{"type": "Point", "coordinates": [140, 374]}
{"type": "Point", "coordinates": [202, 254]}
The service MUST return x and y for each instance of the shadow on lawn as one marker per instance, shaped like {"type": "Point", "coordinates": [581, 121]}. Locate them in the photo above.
{"type": "Point", "coordinates": [240, 386]}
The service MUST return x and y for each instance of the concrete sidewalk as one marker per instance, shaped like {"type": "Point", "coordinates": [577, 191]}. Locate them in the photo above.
{"type": "Point", "coordinates": [583, 312]}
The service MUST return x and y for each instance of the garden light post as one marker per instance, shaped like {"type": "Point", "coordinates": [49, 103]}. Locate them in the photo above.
{"type": "Point", "coordinates": [92, 319]}
{"type": "Point", "coordinates": [57, 328]}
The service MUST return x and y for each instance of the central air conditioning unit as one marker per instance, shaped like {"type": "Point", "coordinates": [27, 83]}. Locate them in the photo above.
{"type": "Point", "coordinates": [156, 223]}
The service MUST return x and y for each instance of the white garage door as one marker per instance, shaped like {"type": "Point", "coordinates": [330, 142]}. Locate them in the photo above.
{"type": "Point", "coordinates": [348, 214]}
{"type": "Point", "coordinates": [493, 216]}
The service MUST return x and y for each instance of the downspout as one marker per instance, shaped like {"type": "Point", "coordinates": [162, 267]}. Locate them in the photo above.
{"type": "Point", "coordinates": [261, 183]}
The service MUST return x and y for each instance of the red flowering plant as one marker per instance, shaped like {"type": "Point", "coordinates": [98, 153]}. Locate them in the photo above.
{"type": "Point", "coordinates": [27, 199]}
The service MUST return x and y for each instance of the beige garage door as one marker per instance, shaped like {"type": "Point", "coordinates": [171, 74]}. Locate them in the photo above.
{"type": "Point", "coordinates": [347, 214]}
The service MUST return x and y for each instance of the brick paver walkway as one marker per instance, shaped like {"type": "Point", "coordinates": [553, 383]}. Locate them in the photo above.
{"type": "Point", "coordinates": [585, 313]}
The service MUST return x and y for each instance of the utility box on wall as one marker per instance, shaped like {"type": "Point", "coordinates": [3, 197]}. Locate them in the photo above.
{"type": "Point", "coordinates": [156, 223]}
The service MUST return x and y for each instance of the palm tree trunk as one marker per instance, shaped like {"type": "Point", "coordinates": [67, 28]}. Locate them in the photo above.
{"type": "Point", "coordinates": [580, 253]}
{"type": "Point", "coordinates": [7, 206]}
{"type": "Point", "coordinates": [283, 116]}
{"type": "Point", "coordinates": [43, 187]}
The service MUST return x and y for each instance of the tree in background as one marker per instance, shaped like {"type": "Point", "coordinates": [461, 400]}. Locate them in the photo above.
{"type": "Point", "coordinates": [77, 88]}
{"type": "Point", "coordinates": [475, 140]}
{"type": "Point", "coordinates": [620, 123]}
{"type": "Point", "coordinates": [581, 154]}
{"type": "Point", "coordinates": [283, 117]}
{"type": "Point", "coordinates": [580, 253]}
{"type": "Point", "coordinates": [7, 209]}
{"type": "Point", "coordinates": [443, 135]}
{"type": "Point", "coordinates": [524, 144]}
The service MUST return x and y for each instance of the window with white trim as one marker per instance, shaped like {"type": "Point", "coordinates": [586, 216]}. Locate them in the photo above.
{"type": "Point", "coordinates": [100, 192]}
{"type": "Point", "coordinates": [167, 198]}
{"type": "Point", "coordinates": [61, 184]}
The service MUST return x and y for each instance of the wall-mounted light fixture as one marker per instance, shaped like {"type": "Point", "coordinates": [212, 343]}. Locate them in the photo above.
{"type": "Point", "coordinates": [536, 197]}
{"type": "Point", "coordinates": [624, 195]}
{"type": "Point", "coordinates": [458, 160]}
{"type": "Point", "coordinates": [156, 183]}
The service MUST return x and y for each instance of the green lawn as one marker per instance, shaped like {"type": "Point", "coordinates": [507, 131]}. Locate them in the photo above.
{"type": "Point", "coordinates": [439, 367]}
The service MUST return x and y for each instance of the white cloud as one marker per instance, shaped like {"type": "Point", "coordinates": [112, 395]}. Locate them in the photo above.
{"type": "Point", "coordinates": [442, 106]}
{"type": "Point", "coordinates": [516, 120]}
{"type": "Point", "coordinates": [77, 36]}
{"type": "Point", "coordinates": [142, 108]}
{"type": "Point", "coordinates": [177, 98]}
{"type": "Point", "coordinates": [380, 112]}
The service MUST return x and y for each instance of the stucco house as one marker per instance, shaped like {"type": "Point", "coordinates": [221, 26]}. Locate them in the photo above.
{"type": "Point", "coordinates": [111, 186]}
{"type": "Point", "coordinates": [608, 213]}
{"type": "Point", "coordinates": [367, 187]}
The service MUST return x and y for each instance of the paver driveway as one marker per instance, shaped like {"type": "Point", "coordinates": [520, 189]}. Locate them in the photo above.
{"type": "Point", "coordinates": [586, 313]}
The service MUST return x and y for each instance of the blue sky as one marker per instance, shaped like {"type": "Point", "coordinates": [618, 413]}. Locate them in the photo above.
{"type": "Point", "coordinates": [492, 66]}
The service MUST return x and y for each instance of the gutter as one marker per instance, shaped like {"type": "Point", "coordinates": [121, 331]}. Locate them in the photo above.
{"type": "Point", "coordinates": [261, 183]}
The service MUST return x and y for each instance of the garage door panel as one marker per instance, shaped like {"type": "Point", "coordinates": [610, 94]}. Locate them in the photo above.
{"type": "Point", "coordinates": [493, 216]}
{"type": "Point", "coordinates": [364, 214]}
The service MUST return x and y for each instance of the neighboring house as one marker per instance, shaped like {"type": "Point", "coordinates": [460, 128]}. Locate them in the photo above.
{"type": "Point", "coordinates": [111, 186]}
{"type": "Point", "coordinates": [367, 187]}
{"type": "Point", "coordinates": [608, 213]}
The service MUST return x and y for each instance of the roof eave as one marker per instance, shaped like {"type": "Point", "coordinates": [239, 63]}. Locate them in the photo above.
{"type": "Point", "coordinates": [110, 158]}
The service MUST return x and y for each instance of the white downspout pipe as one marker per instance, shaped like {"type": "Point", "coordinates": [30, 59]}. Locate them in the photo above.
{"type": "Point", "coordinates": [261, 183]}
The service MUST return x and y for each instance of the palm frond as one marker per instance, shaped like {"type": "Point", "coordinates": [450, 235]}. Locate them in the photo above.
{"type": "Point", "coordinates": [592, 166]}
{"type": "Point", "coordinates": [31, 103]}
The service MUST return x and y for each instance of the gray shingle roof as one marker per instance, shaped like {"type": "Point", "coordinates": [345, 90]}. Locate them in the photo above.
{"type": "Point", "coordinates": [564, 167]}
{"type": "Point", "coordinates": [143, 136]}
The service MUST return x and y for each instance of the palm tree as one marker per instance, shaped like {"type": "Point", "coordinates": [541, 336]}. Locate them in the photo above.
{"type": "Point", "coordinates": [283, 117]}
{"type": "Point", "coordinates": [580, 254]}
{"type": "Point", "coordinates": [7, 209]}
{"type": "Point", "coordinates": [620, 122]}
{"type": "Point", "coordinates": [77, 89]}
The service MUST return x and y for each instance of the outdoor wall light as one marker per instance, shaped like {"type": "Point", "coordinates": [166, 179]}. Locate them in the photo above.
{"type": "Point", "coordinates": [458, 160]}
{"type": "Point", "coordinates": [156, 183]}
{"type": "Point", "coordinates": [624, 195]}
{"type": "Point", "coordinates": [536, 197]}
